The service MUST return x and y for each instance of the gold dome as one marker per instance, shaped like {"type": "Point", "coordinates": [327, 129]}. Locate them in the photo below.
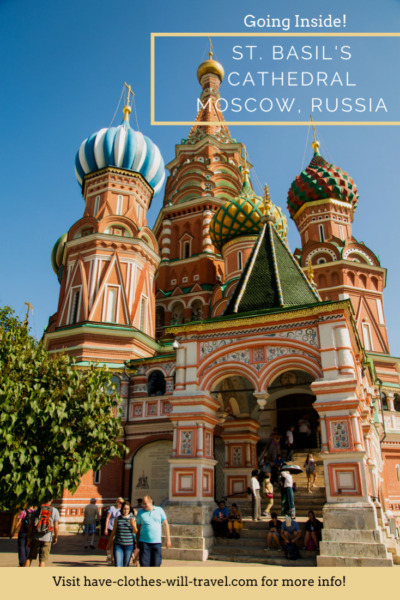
{"type": "Point", "coordinates": [210, 66]}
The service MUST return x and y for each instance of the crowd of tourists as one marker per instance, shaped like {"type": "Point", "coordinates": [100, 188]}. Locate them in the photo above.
{"type": "Point", "coordinates": [131, 535]}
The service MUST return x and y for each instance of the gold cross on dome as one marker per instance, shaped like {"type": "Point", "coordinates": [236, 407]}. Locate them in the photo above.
{"type": "Point", "coordinates": [267, 202]}
{"type": "Point", "coordinates": [310, 272]}
{"type": "Point", "coordinates": [315, 143]}
{"type": "Point", "coordinates": [29, 305]}
{"type": "Point", "coordinates": [129, 92]}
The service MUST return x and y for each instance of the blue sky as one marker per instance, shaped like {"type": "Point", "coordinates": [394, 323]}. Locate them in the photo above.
{"type": "Point", "coordinates": [62, 69]}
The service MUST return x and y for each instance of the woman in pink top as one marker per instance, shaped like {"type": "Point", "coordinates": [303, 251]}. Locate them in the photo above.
{"type": "Point", "coordinates": [22, 527]}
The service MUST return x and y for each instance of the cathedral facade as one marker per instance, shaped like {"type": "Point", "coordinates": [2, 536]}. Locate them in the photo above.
{"type": "Point", "coordinates": [216, 333]}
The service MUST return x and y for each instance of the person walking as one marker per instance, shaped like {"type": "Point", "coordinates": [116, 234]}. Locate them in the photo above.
{"type": "Point", "coordinates": [288, 489]}
{"type": "Point", "coordinates": [42, 533]}
{"type": "Point", "coordinates": [275, 445]}
{"type": "Point", "coordinates": [122, 536]}
{"type": "Point", "coordinates": [91, 514]}
{"type": "Point", "coordinates": [22, 527]}
{"type": "Point", "coordinates": [219, 521]}
{"type": "Point", "coordinates": [113, 513]}
{"type": "Point", "coordinates": [310, 468]}
{"type": "Point", "coordinates": [149, 523]}
{"type": "Point", "coordinates": [255, 496]}
{"type": "Point", "coordinates": [235, 523]}
{"type": "Point", "coordinates": [268, 494]}
{"type": "Point", "coordinates": [290, 443]}
{"type": "Point", "coordinates": [304, 431]}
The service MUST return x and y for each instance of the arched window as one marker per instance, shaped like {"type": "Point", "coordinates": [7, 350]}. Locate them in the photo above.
{"type": "Point", "coordinates": [322, 281]}
{"type": "Point", "coordinates": [160, 317]}
{"type": "Point", "coordinates": [363, 281]}
{"type": "Point", "coordinates": [156, 384]}
{"type": "Point", "coordinates": [117, 382]}
{"type": "Point", "coordinates": [96, 205]}
{"type": "Point", "coordinates": [120, 202]}
{"type": "Point", "coordinates": [197, 310]}
{"type": "Point", "coordinates": [335, 279]}
{"type": "Point", "coordinates": [351, 278]}
{"type": "Point", "coordinates": [396, 403]}
{"type": "Point", "coordinates": [384, 401]}
{"type": "Point", "coordinates": [178, 314]}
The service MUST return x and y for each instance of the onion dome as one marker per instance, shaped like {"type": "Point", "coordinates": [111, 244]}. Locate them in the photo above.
{"type": "Point", "coordinates": [210, 66]}
{"type": "Point", "coordinates": [121, 147]}
{"type": "Point", "coordinates": [242, 216]}
{"type": "Point", "coordinates": [57, 253]}
{"type": "Point", "coordinates": [321, 181]}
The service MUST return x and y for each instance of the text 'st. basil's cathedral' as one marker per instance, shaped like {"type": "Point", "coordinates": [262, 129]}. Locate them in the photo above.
{"type": "Point", "coordinates": [217, 334]}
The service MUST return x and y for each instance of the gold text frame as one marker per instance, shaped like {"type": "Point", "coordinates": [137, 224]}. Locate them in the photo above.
{"type": "Point", "coordinates": [206, 35]}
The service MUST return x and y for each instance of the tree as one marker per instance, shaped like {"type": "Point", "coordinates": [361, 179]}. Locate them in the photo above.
{"type": "Point", "coordinates": [56, 422]}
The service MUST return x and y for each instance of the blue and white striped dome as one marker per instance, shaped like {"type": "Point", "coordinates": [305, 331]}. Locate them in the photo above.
{"type": "Point", "coordinates": [121, 147]}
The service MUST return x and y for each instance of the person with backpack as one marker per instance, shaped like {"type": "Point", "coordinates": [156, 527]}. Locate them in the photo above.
{"type": "Point", "coordinates": [22, 526]}
{"type": "Point", "coordinates": [42, 533]}
{"type": "Point", "coordinates": [290, 532]}
{"type": "Point", "coordinates": [309, 466]}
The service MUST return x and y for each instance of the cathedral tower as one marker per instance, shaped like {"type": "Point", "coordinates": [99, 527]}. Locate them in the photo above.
{"type": "Point", "coordinates": [107, 261]}
{"type": "Point", "coordinates": [206, 172]}
{"type": "Point", "coordinates": [322, 201]}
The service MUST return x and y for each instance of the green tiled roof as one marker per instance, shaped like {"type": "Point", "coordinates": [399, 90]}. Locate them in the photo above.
{"type": "Point", "coordinates": [271, 278]}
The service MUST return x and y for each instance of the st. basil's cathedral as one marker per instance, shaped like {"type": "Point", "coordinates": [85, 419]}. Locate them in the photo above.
{"type": "Point", "coordinates": [216, 334]}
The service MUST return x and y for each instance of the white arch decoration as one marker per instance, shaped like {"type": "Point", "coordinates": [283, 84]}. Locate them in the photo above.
{"type": "Point", "coordinates": [227, 369]}
{"type": "Point", "coordinates": [360, 252]}
{"type": "Point", "coordinates": [321, 251]}
{"type": "Point", "coordinates": [280, 365]}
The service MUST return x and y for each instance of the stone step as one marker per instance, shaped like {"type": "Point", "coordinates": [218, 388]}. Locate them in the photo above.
{"type": "Point", "coordinates": [254, 552]}
{"type": "Point", "coordinates": [366, 536]}
{"type": "Point", "coordinates": [347, 561]}
{"type": "Point", "coordinates": [279, 561]}
{"type": "Point", "coordinates": [353, 550]}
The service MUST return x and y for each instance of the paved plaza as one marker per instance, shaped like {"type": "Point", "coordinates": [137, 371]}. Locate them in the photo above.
{"type": "Point", "coordinates": [70, 552]}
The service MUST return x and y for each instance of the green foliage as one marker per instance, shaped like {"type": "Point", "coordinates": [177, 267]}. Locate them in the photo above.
{"type": "Point", "coordinates": [56, 422]}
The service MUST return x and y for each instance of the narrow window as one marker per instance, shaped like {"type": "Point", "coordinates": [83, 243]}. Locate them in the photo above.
{"type": "Point", "coordinates": [341, 232]}
{"type": "Point", "coordinates": [119, 205]}
{"type": "Point", "coordinates": [142, 313]}
{"type": "Point", "coordinates": [96, 205]}
{"type": "Point", "coordinates": [367, 337]}
{"type": "Point", "coordinates": [138, 212]}
{"type": "Point", "coordinates": [97, 477]}
{"type": "Point", "coordinates": [380, 310]}
{"type": "Point", "coordinates": [398, 472]}
{"type": "Point", "coordinates": [74, 312]}
{"type": "Point", "coordinates": [306, 236]}
{"type": "Point", "coordinates": [240, 262]}
{"type": "Point", "coordinates": [111, 304]}
{"type": "Point", "coordinates": [186, 249]}
{"type": "Point", "coordinates": [384, 402]}
{"type": "Point", "coordinates": [321, 233]}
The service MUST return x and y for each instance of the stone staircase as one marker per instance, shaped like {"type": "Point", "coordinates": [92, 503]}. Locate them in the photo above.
{"type": "Point", "coordinates": [392, 544]}
{"type": "Point", "coordinates": [250, 547]}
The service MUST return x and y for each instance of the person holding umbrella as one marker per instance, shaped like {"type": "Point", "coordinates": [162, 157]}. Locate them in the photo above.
{"type": "Point", "coordinates": [287, 474]}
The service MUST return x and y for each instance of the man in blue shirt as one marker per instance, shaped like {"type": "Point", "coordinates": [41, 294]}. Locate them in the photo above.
{"type": "Point", "coordinates": [149, 522]}
{"type": "Point", "coordinates": [220, 520]}
{"type": "Point", "coordinates": [290, 531]}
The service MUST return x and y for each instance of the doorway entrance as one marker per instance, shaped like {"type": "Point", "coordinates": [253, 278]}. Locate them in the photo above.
{"type": "Point", "coordinates": [290, 409]}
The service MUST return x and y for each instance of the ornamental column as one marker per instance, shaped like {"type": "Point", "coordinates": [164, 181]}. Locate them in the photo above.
{"type": "Point", "coordinates": [207, 242]}
{"type": "Point", "coordinates": [343, 347]}
{"type": "Point", "coordinates": [240, 437]}
{"type": "Point", "coordinates": [166, 238]}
